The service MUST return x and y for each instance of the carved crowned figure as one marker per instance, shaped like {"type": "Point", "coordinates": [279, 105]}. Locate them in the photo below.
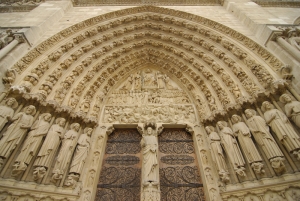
{"type": "Point", "coordinates": [38, 130]}
{"type": "Point", "coordinates": [291, 108]}
{"type": "Point", "coordinates": [82, 149]}
{"type": "Point", "coordinates": [66, 152]}
{"type": "Point", "coordinates": [232, 148]}
{"type": "Point", "coordinates": [282, 128]}
{"type": "Point", "coordinates": [6, 111]}
{"type": "Point", "coordinates": [15, 132]}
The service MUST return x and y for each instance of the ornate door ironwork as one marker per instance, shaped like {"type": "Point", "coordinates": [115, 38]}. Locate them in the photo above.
{"type": "Point", "coordinates": [179, 174]}
{"type": "Point", "coordinates": [121, 170]}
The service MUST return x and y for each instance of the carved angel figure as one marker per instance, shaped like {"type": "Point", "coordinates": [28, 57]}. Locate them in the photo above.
{"type": "Point", "coordinates": [38, 130]}
{"type": "Point", "coordinates": [15, 132]}
{"type": "Point", "coordinates": [282, 128]}
{"type": "Point", "coordinates": [232, 148]}
{"type": "Point", "coordinates": [6, 111]}
{"type": "Point", "coordinates": [50, 145]}
{"type": "Point", "coordinates": [66, 151]}
{"type": "Point", "coordinates": [291, 108]}
{"type": "Point", "coordinates": [82, 149]}
{"type": "Point", "coordinates": [150, 146]}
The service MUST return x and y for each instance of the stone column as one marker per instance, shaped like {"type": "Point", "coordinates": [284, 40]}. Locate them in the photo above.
{"type": "Point", "coordinates": [10, 46]}
{"type": "Point", "coordinates": [290, 49]}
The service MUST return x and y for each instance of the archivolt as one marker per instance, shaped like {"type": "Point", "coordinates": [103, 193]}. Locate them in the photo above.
{"type": "Point", "coordinates": [210, 60]}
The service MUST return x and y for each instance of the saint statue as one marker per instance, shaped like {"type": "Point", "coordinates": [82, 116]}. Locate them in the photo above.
{"type": "Point", "coordinates": [38, 130]}
{"type": "Point", "coordinates": [150, 146]}
{"type": "Point", "coordinates": [82, 149]}
{"type": "Point", "coordinates": [282, 128]}
{"type": "Point", "coordinates": [6, 111]}
{"type": "Point", "coordinates": [66, 151]}
{"type": "Point", "coordinates": [217, 151]}
{"type": "Point", "coordinates": [291, 108]}
{"type": "Point", "coordinates": [242, 132]}
{"type": "Point", "coordinates": [232, 148]}
{"type": "Point", "coordinates": [15, 132]}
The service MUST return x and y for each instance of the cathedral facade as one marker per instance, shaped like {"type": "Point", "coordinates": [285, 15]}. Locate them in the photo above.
{"type": "Point", "coordinates": [150, 100]}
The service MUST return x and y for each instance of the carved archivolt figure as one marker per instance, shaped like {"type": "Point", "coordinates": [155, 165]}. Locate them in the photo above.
{"type": "Point", "coordinates": [232, 148]}
{"type": "Point", "coordinates": [291, 108]}
{"type": "Point", "coordinates": [50, 145]}
{"type": "Point", "coordinates": [215, 144]}
{"type": "Point", "coordinates": [262, 135]}
{"type": "Point", "coordinates": [282, 128]}
{"type": "Point", "coordinates": [150, 146]}
{"type": "Point", "coordinates": [15, 132]}
{"type": "Point", "coordinates": [82, 149]}
{"type": "Point", "coordinates": [38, 130]}
{"type": "Point", "coordinates": [66, 152]}
{"type": "Point", "coordinates": [244, 136]}
{"type": "Point", "coordinates": [6, 111]}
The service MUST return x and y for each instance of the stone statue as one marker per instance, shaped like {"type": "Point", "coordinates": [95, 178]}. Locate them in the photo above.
{"type": "Point", "coordinates": [15, 132]}
{"type": "Point", "coordinates": [232, 148]}
{"type": "Point", "coordinates": [215, 144]}
{"type": "Point", "coordinates": [6, 111]}
{"type": "Point", "coordinates": [242, 132]}
{"type": "Point", "coordinates": [291, 108]}
{"type": "Point", "coordinates": [46, 154]}
{"type": "Point", "coordinates": [82, 149]}
{"type": "Point", "coordinates": [38, 130]}
{"type": "Point", "coordinates": [65, 154]}
{"type": "Point", "coordinates": [294, 40]}
{"type": "Point", "coordinates": [262, 135]}
{"type": "Point", "coordinates": [282, 128]}
{"type": "Point", "coordinates": [150, 162]}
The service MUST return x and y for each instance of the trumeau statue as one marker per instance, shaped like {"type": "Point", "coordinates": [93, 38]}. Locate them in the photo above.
{"type": "Point", "coordinates": [263, 137]}
{"type": "Point", "coordinates": [232, 148]}
{"type": "Point", "coordinates": [65, 154]}
{"type": "Point", "coordinates": [15, 132]}
{"type": "Point", "coordinates": [243, 134]}
{"type": "Point", "coordinates": [215, 144]}
{"type": "Point", "coordinates": [6, 111]}
{"type": "Point", "coordinates": [82, 149]}
{"type": "Point", "coordinates": [291, 108]}
{"type": "Point", "coordinates": [38, 130]}
{"type": "Point", "coordinates": [282, 128]}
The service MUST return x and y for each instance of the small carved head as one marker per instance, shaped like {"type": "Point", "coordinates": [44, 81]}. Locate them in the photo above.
{"type": "Point", "coordinates": [266, 106]}
{"type": "Point", "coordinates": [236, 118]}
{"type": "Point", "coordinates": [61, 121]}
{"type": "Point", "coordinates": [250, 113]}
{"type": "Point", "coordinates": [285, 98]}
{"type": "Point", "coordinates": [11, 102]}
{"type": "Point", "coordinates": [30, 110]}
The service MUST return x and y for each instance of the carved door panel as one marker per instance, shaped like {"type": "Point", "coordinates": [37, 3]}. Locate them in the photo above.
{"type": "Point", "coordinates": [179, 174]}
{"type": "Point", "coordinates": [121, 171]}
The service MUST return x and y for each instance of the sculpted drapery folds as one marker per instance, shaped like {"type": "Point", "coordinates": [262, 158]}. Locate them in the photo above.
{"type": "Point", "coordinates": [38, 130]}
{"type": "Point", "coordinates": [150, 147]}
{"type": "Point", "coordinates": [232, 148]}
{"type": "Point", "coordinates": [215, 144]}
{"type": "Point", "coordinates": [15, 132]}
{"type": "Point", "coordinates": [243, 134]}
{"type": "Point", "coordinates": [282, 128]}
{"type": "Point", "coordinates": [291, 108]}
{"type": "Point", "coordinates": [263, 137]}
{"type": "Point", "coordinates": [82, 149]}
{"type": "Point", "coordinates": [64, 156]}
{"type": "Point", "coordinates": [6, 111]}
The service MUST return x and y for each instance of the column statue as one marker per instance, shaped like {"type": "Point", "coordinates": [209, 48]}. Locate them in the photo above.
{"type": "Point", "coordinates": [282, 128]}
{"type": "Point", "coordinates": [66, 151]}
{"type": "Point", "coordinates": [15, 132]}
{"type": "Point", "coordinates": [217, 151]}
{"type": "Point", "coordinates": [242, 132]}
{"type": "Point", "coordinates": [7, 111]}
{"type": "Point", "coordinates": [291, 108]}
{"type": "Point", "coordinates": [45, 156]}
{"type": "Point", "coordinates": [263, 137]}
{"type": "Point", "coordinates": [38, 130]}
{"type": "Point", "coordinates": [232, 148]}
{"type": "Point", "coordinates": [82, 149]}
